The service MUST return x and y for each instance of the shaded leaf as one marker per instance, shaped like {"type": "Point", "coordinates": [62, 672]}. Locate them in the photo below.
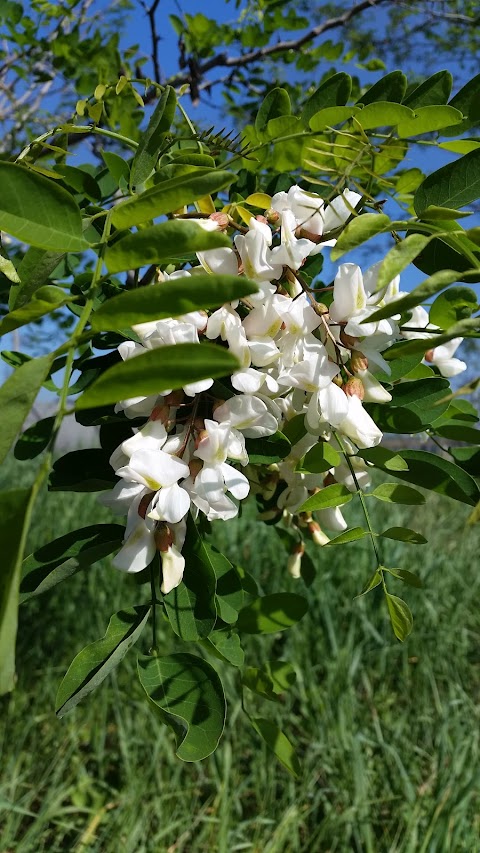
{"type": "Point", "coordinates": [17, 396]}
{"type": "Point", "coordinates": [189, 694]}
{"type": "Point", "coordinates": [53, 563]}
{"type": "Point", "coordinates": [271, 613]}
{"type": "Point", "coordinates": [454, 185]}
{"type": "Point", "coordinates": [157, 370]}
{"type": "Point", "coordinates": [404, 534]}
{"type": "Point", "coordinates": [160, 242]}
{"type": "Point", "coordinates": [278, 743]}
{"type": "Point", "coordinates": [92, 665]}
{"type": "Point", "coordinates": [396, 493]}
{"type": "Point", "coordinates": [14, 508]}
{"type": "Point", "coordinates": [151, 140]}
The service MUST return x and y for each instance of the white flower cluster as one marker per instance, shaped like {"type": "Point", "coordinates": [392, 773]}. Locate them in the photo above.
{"type": "Point", "coordinates": [296, 356]}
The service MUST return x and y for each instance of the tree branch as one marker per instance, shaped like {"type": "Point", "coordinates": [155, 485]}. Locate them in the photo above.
{"type": "Point", "coordinates": [226, 61]}
{"type": "Point", "coordinates": [150, 11]}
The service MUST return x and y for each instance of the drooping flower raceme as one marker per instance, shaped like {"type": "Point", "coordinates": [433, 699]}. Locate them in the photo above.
{"type": "Point", "coordinates": [305, 371]}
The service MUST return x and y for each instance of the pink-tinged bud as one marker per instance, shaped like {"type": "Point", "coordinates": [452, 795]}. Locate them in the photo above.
{"type": "Point", "coordinates": [195, 466]}
{"type": "Point", "coordinates": [358, 361]}
{"type": "Point", "coordinates": [429, 355]}
{"type": "Point", "coordinates": [294, 564]}
{"type": "Point", "coordinates": [272, 216]}
{"type": "Point", "coordinates": [143, 505]}
{"type": "Point", "coordinates": [329, 480]}
{"type": "Point", "coordinates": [354, 388]}
{"type": "Point", "coordinates": [260, 218]}
{"type": "Point", "coordinates": [347, 340]}
{"type": "Point", "coordinates": [337, 380]}
{"type": "Point", "coordinates": [199, 424]}
{"type": "Point", "coordinates": [163, 537]}
{"type": "Point", "coordinates": [221, 219]}
{"type": "Point", "coordinates": [176, 398]}
{"type": "Point", "coordinates": [317, 534]}
{"type": "Point", "coordinates": [160, 413]}
{"type": "Point", "coordinates": [309, 235]}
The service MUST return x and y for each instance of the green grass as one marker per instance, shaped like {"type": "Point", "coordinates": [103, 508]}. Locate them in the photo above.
{"type": "Point", "coordinates": [387, 734]}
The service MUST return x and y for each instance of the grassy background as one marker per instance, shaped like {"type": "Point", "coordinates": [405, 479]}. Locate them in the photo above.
{"type": "Point", "coordinates": [388, 735]}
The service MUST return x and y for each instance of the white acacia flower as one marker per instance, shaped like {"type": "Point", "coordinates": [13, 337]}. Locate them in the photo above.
{"type": "Point", "coordinates": [442, 357]}
{"type": "Point", "coordinates": [160, 472]}
{"type": "Point", "coordinates": [253, 416]}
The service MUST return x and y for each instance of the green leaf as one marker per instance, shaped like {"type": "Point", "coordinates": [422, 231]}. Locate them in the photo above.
{"type": "Point", "coordinates": [270, 680]}
{"type": "Point", "coordinates": [468, 458]}
{"type": "Point", "coordinates": [383, 114]}
{"type": "Point", "coordinates": [396, 493]}
{"type": "Point", "coordinates": [81, 181]}
{"type": "Point", "coordinates": [271, 613]}
{"type": "Point", "coordinates": [454, 185]}
{"type": "Point", "coordinates": [160, 242]}
{"type": "Point", "coordinates": [44, 301]}
{"type": "Point", "coordinates": [399, 257]}
{"type": "Point", "coordinates": [433, 213]}
{"type": "Point", "coordinates": [352, 535]}
{"type": "Point", "coordinates": [334, 92]}
{"type": "Point", "coordinates": [466, 100]}
{"type": "Point", "coordinates": [34, 271]}
{"type": "Point", "coordinates": [404, 534]}
{"type": "Point", "coordinates": [440, 475]}
{"type": "Point", "coordinates": [38, 211]}
{"type": "Point", "coordinates": [276, 104]}
{"type": "Point", "coordinates": [374, 581]}
{"type": "Point", "coordinates": [320, 458]}
{"type": "Point", "coordinates": [117, 166]}
{"type": "Point", "coordinates": [400, 616]}
{"type": "Point", "coordinates": [53, 563]}
{"type": "Point", "coordinates": [400, 363]}
{"type": "Point", "coordinates": [8, 269]}
{"type": "Point", "coordinates": [456, 303]}
{"type": "Point", "coordinates": [459, 433]}
{"type": "Point", "coordinates": [267, 451]}
{"type": "Point", "coordinates": [14, 515]}
{"type": "Point", "coordinates": [191, 607]}
{"type": "Point", "coordinates": [392, 87]}
{"type": "Point", "coordinates": [92, 665]}
{"type": "Point", "coordinates": [151, 141]}
{"type": "Point", "coordinates": [404, 575]}
{"type": "Point", "coordinates": [331, 116]}
{"type": "Point", "coordinates": [158, 370]}
{"type": "Point", "coordinates": [82, 471]}
{"type": "Point", "coordinates": [228, 591]}
{"type": "Point", "coordinates": [383, 458]}
{"type": "Point", "coordinates": [460, 146]}
{"type": "Point", "coordinates": [189, 694]}
{"type": "Point", "coordinates": [424, 398]}
{"type": "Point", "coordinates": [170, 299]}
{"type": "Point", "coordinates": [428, 119]}
{"type": "Point", "coordinates": [170, 196]}
{"type": "Point", "coordinates": [17, 396]}
{"type": "Point", "coordinates": [334, 495]}
{"type": "Point", "coordinates": [225, 645]}
{"type": "Point", "coordinates": [278, 743]}
{"type": "Point", "coordinates": [432, 284]}
{"type": "Point", "coordinates": [435, 90]}
{"type": "Point", "coordinates": [34, 440]}
{"type": "Point", "coordinates": [359, 230]}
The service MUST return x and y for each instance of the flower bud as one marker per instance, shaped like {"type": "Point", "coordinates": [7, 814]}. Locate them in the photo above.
{"type": "Point", "coordinates": [294, 564]}
{"type": "Point", "coordinates": [261, 218]}
{"type": "Point", "coordinates": [337, 380]}
{"type": "Point", "coordinates": [272, 216]}
{"type": "Point", "coordinates": [317, 534]}
{"type": "Point", "coordinates": [329, 480]}
{"type": "Point", "coordinates": [358, 361]}
{"type": "Point", "coordinates": [322, 308]}
{"type": "Point", "coordinates": [221, 219]}
{"type": "Point", "coordinates": [354, 387]}
{"type": "Point", "coordinates": [429, 356]}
